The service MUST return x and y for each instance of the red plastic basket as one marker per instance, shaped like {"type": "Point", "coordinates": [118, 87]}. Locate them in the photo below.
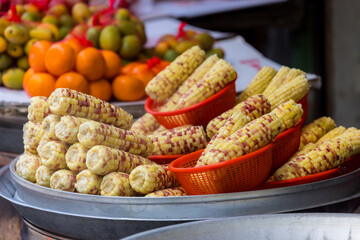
{"type": "Point", "coordinates": [164, 159]}
{"type": "Point", "coordinates": [239, 174]}
{"type": "Point", "coordinates": [199, 114]}
{"type": "Point", "coordinates": [350, 165]}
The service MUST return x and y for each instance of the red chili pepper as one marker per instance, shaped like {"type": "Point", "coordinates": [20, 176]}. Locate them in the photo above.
{"type": "Point", "coordinates": [181, 33]}
{"type": "Point", "coordinates": [153, 62]}
{"type": "Point", "coordinates": [14, 16]}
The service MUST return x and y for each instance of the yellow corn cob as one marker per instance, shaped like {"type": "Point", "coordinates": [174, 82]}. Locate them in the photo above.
{"type": "Point", "coordinates": [158, 130]}
{"type": "Point", "coordinates": [315, 130]}
{"type": "Point", "coordinates": [75, 157]}
{"type": "Point", "coordinates": [49, 126]}
{"type": "Point", "coordinates": [331, 134]}
{"type": "Point", "coordinates": [68, 127]}
{"type": "Point", "coordinates": [172, 103]}
{"type": "Point", "coordinates": [149, 178]}
{"type": "Point", "coordinates": [65, 101]}
{"type": "Point", "coordinates": [292, 74]}
{"type": "Point", "coordinates": [145, 125]}
{"type": "Point", "coordinates": [353, 135]}
{"type": "Point", "coordinates": [42, 143]}
{"type": "Point", "coordinates": [32, 134]}
{"type": "Point", "coordinates": [117, 184]}
{"type": "Point", "coordinates": [296, 89]}
{"type": "Point", "coordinates": [258, 84]}
{"type": "Point", "coordinates": [63, 180]}
{"type": "Point", "coordinates": [38, 109]}
{"type": "Point", "coordinates": [277, 80]}
{"type": "Point", "coordinates": [252, 107]}
{"type": "Point", "coordinates": [93, 133]}
{"type": "Point", "coordinates": [253, 136]}
{"type": "Point", "coordinates": [102, 160]}
{"type": "Point", "coordinates": [216, 79]}
{"type": "Point", "coordinates": [43, 175]}
{"type": "Point", "coordinates": [27, 165]}
{"type": "Point", "coordinates": [180, 140]}
{"type": "Point", "coordinates": [167, 81]}
{"type": "Point", "coordinates": [53, 155]}
{"type": "Point", "coordinates": [289, 112]}
{"type": "Point", "coordinates": [325, 156]}
{"type": "Point", "coordinates": [88, 182]}
{"type": "Point", "coordinates": [168, 192]}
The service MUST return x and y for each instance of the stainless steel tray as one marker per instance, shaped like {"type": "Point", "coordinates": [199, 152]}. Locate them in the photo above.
{"type": "Point", "coordinates": [310, 226]}
{"type": "Point", "coordinates": [101, 217]}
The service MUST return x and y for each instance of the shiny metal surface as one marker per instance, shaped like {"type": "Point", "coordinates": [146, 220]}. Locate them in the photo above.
{"type": "Point", "coordinates": [310, 226]}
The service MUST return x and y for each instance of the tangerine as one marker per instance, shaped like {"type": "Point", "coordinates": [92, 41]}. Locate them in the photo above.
{"type": "Point", "coordinates": [74, 44]}
{"type": "Point", "coordinates": [112, 63]}
{"type": "Point", "coordinates": [73, 80]}
{"type": "Point", "coordinates": [26, 78]}
{"type": "Point", "coordinates": [37, 55]}
{"type": "Point", "coordinates": [59, 59]}
{"type": "Point", "coordinates": [129, 67]}
{"type": "Point", "coordinates": [90, 63]}
{"type": "Point", "coordinates": [101, 89]}
{"type": "Point", "coordinates": [128, 88]}
{"type": "Point", "coordinates": [40, 84]}
{"type": "Point", "coordinates": [142, 72]}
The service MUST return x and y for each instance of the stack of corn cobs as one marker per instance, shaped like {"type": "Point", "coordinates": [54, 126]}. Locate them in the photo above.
{"type": "Point", "coordinates": [75, 142]}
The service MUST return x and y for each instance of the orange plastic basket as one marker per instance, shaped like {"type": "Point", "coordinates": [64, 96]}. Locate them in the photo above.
{"type": "Point", "coordinates": [199, 114]}
{"type": "Point", "coordinates": [350, 165]}
{"type": "Point", "coordinates": [164, 159]}
{"type": "Point", "coordinates": [234, 175]}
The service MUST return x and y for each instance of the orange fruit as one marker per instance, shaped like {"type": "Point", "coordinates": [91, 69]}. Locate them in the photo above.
{"type": "Point", "coordinates": [128, 88]}
{"type": "Point", "coordinates": [40, 84]}
{"type": "Point", "coordinates": [101, 89]}
{"type": "Point", "coordinates": [26, 78]}
{"type": "Point", "coordinates": [90, 63]}
{"type": "Point", "coordinates": [59, 59]}
{"type": "Point", "coordinates": [128, 67]}
{"type": "Point", "coordinates": [159, 67]}
{"type": "Point", "coordinates": [73, 80]}
{"type": "Point", "coordinates": [74, 44]}
{"type": "Point", "coordinates": [142, 72]}
{"type": "Point", "coordinates": [37, 55]}
{"type": "Point", "coordinates": [112, 63]}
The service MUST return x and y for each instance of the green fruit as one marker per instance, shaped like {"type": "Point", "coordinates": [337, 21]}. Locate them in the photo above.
{"type": "Point", "coordinates": [170, 55]}
{"type": "Point", "coordinates": [80, 12]}
{"type": "Point", "coordinates": [29, 44]}
{"type": "Point", "coordinates": [218, 51]}
{"type": "Point", "coordinates": [3, 44]}
{"type": "Point", "coordinates": [31, 16]}
{"type": "Point", "coordinates": [3, 25]}
{"type": "Point", "coordinates": [63, 31]}
{"type": "Point", "coordinates": [66, 21]}
{"type": "Point", "coordinates": [15, 50]}
{"type": "Point", "coordinates": [58, 10]}
{"type": "Point", "coordinates": [17, 34]}
{"type": "Point", "coordinates": [5, 61]}
{"type": "Point", "coordinates": [42, 33]}
{"type": "Point", "coordinates": [122, 14]}
{"type": "Point", "coordinates": [110, 38]}
{"type": "Point", "coordinates": [141, 33]}
{"type": "Point", "coordinates": [23, 63]}
{"type": "Point", "coordinates": [93, 35]}
{"type": "Point", "coordinates": [126, 27]}
{"type": "Point", "coordinates": [51, 19]}
{"type": "Point", "coordinates": [206, 41]}
{"type": "Point", "coordinates": [130, 47]}
{"type": "Point", "coordinates": [184, 45]}
{"type": "Point", "coordinates": [13, 78]}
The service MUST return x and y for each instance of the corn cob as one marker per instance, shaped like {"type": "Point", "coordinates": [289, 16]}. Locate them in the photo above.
{"type": "Point", "coordinates": [117, 184]}
{"type": "Point", "coordinates": [258, 84]}
{"type": "Point", "coordinates": [75, 157]}
{"type": "Point", "coordinates": [353, 135]}
{"type": "Point", "coordinates": [326, 156]}
{"type": "Point", "coordinates": [180, 140]}
{"type": "Point", "coordinates": [32, 134]}
{"type": "Point", "coordinates": [27, 165]}
{"type": "Point", "coordinates": [216, 79]}
{"type": "Point", "coordinates": [49, 126]}
{"type": "Point", "coordinates": [296, 89]}
{"type": "Point", "coordinates": [41, 145]}
{"type": "Point", "coordinates": [315, 130]}
{"type": "Point", "coordinates": [63, 180]}
{"type": "Point", "coordinates": [167, 81]}
{"type": "Point", "coordinates": [88, 182]}
{"type": "Point", "coordinates": [331, 134]}
{"type": "Point", "coordinates": [253, 136]}
{"type": "Point", "coordinates": [277, 80]}
{"type": "Point", "coordinates": [158, 130]}
{"type": "Point", "coordinates": [68, 127]}
{"type": "Point", "coordinates": [168, 192]}
{"type": "Point", "coordinates": [38, 109]}
{"type": "Point", "coordinates": [145, 125]}
{"type": "Point", "coordinates": [43, 175]}
{"type": "Point", "coordinates": [289, 112]}
{"type": "Point", "coordinates": [172, 103]}
{"type": "Point", "coordinates": [53, 155]}
{"type": "Point", "coordinates": [93, 133]}
{"type": "Point", "coordinates": [252, 107]}
{"type": "Point", "coordinates": [292, 74]}
{"type": "Point", "coordinates": [102, 160]}
{"type": "Point", "coordinates": [65, 101]}
{"type": "Point", "coordinates": [149, 178]}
